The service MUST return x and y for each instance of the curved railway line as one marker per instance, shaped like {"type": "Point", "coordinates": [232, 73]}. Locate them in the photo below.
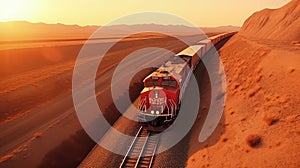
{"type": "Point", "coordinates": [142, 150]}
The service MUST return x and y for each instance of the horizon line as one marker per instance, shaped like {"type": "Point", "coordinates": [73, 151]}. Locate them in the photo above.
{"type": "Point", "coordinates": [58, 23]}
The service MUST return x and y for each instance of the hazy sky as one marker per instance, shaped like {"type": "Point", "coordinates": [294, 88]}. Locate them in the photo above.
{"type": "Point", "coordinates": [101, 12]}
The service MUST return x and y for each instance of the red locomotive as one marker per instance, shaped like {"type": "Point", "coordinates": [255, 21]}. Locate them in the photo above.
{"type": "Point", "coordinates": [163, 89]}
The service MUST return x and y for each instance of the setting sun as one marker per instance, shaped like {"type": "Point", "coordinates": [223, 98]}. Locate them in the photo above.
{"type": "Point", "coordinates": [16, 10]}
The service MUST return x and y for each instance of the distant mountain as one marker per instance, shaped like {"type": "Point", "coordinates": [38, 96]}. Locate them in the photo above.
{"type": "Point", "coordinates": [22, 30]}
{"type": "Point", "coordinates": [274, 24]}
{"type": "Point", "coordinates": [221, 29]}
{"type": "Point", "coordinates": [171, 29]}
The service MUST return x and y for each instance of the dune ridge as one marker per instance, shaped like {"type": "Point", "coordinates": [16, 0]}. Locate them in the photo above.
{"type": "Point", "coordinates": [261, 127]}
{"type": "Point", "coordinates": [281, 24]}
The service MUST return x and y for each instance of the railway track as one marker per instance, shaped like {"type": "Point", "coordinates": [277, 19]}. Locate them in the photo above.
{"type": "Point", "coordinates": [141, 151]}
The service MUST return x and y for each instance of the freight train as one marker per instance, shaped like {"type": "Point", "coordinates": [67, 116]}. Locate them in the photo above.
{"type": "Point", "coordinates": [164, 88]}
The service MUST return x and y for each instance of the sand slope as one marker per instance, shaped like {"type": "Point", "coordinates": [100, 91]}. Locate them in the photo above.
{"type": "Point", "coordinates": [262, 112]}
{"type": "Point", "coordinates": [275, 24]}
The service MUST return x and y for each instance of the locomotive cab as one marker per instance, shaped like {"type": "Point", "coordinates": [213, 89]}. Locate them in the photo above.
{"type": "Point", "coordinates": [159, 99]}
{"type": "Point", "coordinates": [163, 89]}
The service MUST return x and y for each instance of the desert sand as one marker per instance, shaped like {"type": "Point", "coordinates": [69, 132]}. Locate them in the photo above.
{"type": "Point", "coordinates": [38, 124]}
{"type": "Point", "coordinates": [261, 126]}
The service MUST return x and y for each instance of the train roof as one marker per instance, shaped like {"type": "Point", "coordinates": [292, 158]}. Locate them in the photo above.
{"type": "Point", "coordinates": [190, 51]}
{"type": "Point", "coordinates": [172, 68]}
{"type": "Point", "coordinates": [216, 36]}
{"type": "Point", "coordinates": [176, 64]}
{"type": "Point", "coordinates": [204, 41]}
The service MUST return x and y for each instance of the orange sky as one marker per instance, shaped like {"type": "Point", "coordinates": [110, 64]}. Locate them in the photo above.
{"type": "Point", "coordinates": [100, 12]}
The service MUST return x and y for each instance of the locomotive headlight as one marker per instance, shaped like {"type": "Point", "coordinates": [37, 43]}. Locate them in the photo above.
{"type": "Point", "coordinates": [152, 112]}
{"type": "Point", "coordinates": [157, 112]}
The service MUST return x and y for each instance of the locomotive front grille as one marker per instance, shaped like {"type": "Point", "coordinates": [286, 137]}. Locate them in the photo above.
{"type": "Point", "coordinates": [157, 101]}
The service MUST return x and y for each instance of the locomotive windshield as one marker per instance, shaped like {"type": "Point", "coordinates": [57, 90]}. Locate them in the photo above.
{"type": "Point", "coordinates": [169, 83]}
{"type": "Point", "coordinates": [151, 83]}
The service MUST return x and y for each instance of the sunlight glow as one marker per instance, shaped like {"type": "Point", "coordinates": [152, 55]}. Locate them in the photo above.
{"type": "Point", "coordinates": [15, 10]}
{"type": "Point", "coordinates": [101, 12]}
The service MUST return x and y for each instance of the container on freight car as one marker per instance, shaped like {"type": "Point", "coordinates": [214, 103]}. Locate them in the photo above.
{"type": "Point", "coordinates": [192, 52]}
{"type": "Point", "coordinates": [207, 43]}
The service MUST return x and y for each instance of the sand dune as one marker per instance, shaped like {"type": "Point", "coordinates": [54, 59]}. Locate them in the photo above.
{"type": "Point", "coordinates": [262, 119]}
{"type": "Point", "coordinates": [275, 24]}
